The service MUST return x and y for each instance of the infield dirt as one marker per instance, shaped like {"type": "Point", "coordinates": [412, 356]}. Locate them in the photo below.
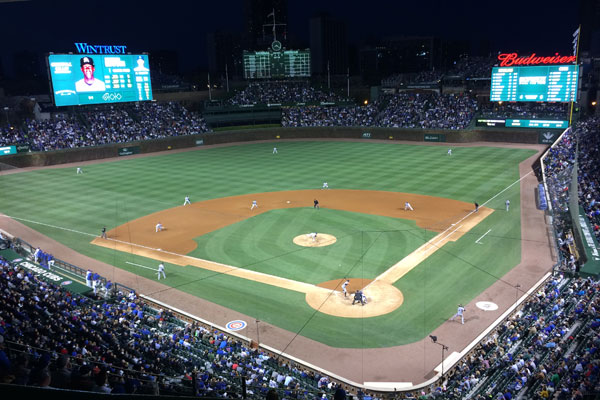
{"type": "Point", "coordinates": [450, 218]}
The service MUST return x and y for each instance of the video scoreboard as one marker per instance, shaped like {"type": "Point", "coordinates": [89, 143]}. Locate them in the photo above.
{"type": "Point", "coordinates": [552, 83]}
{"type": "Point", "coordinates": [78, 79]}
{"type": "Point", "coordinates": [276, 64]}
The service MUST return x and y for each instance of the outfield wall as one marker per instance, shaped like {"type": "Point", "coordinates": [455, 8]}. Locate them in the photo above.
{"type": "Point", "coordinates": [39, 159]}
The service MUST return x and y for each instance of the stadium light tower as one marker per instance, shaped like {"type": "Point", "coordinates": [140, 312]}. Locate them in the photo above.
{"type": "Point", "coordinates": [444, 348]}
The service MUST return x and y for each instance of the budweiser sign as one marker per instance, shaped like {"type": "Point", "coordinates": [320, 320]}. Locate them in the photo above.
{"type": "Point", "coordinates": [510, 59]}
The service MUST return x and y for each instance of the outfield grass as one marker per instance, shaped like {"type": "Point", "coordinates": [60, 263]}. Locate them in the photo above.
{"type": "Point", "coordinates": [75, 207]}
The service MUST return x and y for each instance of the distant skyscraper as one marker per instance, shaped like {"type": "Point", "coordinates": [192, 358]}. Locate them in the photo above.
{"type": "Point", "coordinates": [224, 48]}
{"type": "Point", "coordinates": [589, 15]}
{"type": "Point", "coordinates": [328, 44]}
{"type": "Point", "coordinates": [258, 23]}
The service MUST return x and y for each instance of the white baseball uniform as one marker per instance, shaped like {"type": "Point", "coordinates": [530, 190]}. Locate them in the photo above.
{"type": "Point", "coordinates": [254, 205]}
{"type": "Point", "coordinates": [460, 313]}
{"type": "Point", "coordinates": [407, 206]}
{"type": "Point", "coordinates": [159, 227]}
{"type": "Point", "coordinates": [161, 270]}
{"type": "Point", "coordinates": [345, 288]}
{"type": "Point", "coordinates": [187, 200]}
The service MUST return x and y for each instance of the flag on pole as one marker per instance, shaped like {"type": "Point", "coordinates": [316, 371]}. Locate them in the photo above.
{"type": "Point", "coordinates": [575, 40]}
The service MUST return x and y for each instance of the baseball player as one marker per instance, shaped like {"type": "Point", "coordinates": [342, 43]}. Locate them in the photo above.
{"type": "Point", "coordinates": [274, 150]}
{"type": "Point", "coordinates": [313, 236]}
{"type": "Point", "coordinates": [476, 206]}
{"type": "Point", "coordinates": [408, 207]}
{"type": "Point", "coordinates": [161, 270]}
{"type": "Point", "coordinates": [507, 204]}
{"type": "Point", "coordinates": [88, 278]}
{"type": "Point", "coordinates": [358, 298]}
{"type": "Point", "coordinates": [325, 185]}
{"type": "Point", "coordinates": [254, 205]}
{"type": "Point", "coordinates": [460, 313]}
{"type": "Point", "coordinates": [449, 152]}
{"type": "Point", "coordinates": [103, 235]}
{"type": "Point", "coordinates": [187, 200]}
{"type": "Point", "coordinates": [79, 170]}
{"type": "Point", "coordinates": [159, 227]}
{"type": "Point", "coordinates": [345, 287]}
{"type": "Point", "coordinates": [316, 202]}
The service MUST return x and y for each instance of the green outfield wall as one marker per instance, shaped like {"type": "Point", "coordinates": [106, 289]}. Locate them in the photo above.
{"type": "Point", "coordinates": [38, 159]}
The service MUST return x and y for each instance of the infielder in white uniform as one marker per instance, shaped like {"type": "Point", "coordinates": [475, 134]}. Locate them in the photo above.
{"type": "Point", "coordinates": [407, 207]}
{"type": "Point", "coordinates": [325, 185]}
{"type": "Point", "coordinates": [187, 200]}
{"type": "Point", "coordinates": [274, 150]}
{"type": "Point", "coordinates": [159, 227]}
{"type": "Point", "coordinates": [345, 287]}
{"type": "Point", "coordinates": [161, 270]}
{"type": "Point", "coordinates": [507, 204]}
{"type": "Point", "coordinates": [460, 313]}
{"type": "Point", "coordinates": [254, 205]}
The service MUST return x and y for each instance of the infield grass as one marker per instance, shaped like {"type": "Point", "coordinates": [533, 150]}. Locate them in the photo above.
{"type": "Point", "coordinates": [73, 208]}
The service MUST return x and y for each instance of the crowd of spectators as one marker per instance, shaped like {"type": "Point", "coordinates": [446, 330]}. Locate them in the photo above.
{"type": "Point", "coordinates": [580, 144]}
{"type": "Point", "coordinates": [51, 337]}
{"type": "Point", "coordinates": [403, 110]}
{"type": "Point", "coordinates": [588, 175]}
{"type": "Point", "coordinates": [329, 116]}
{"type": "Point", "coordinates": [548, 349]}
{"type": "Point", "coordinates": [520, 110]}
{"type": "Point", "coordinates": [427, 111]}
{"type": "Point", "coordinates": [105, 124]}
{"type": "Point", "coordinates": [466, 67]}
{"type": "Point", "coordinates": [399, 80]}
{"type": "Point", "coordinates": [278, 92]}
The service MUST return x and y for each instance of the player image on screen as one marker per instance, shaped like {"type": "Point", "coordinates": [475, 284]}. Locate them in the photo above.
{"type": "Point", "coordinates": [140, 65]}
{"type": "Point", "coordinates": [89, 83]}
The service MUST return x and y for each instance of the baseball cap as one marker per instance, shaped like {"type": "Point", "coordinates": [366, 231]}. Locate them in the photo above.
{"type": "Point", "coordinates": [86, 60]}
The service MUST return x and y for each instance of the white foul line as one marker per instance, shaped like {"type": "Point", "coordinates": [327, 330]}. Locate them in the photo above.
{"type": "Point", "coordinates": [477, 241]}
{"type": "Point", "coordinates": [508, 187]}
{"type": "Point", "coordinates": [139, 265]}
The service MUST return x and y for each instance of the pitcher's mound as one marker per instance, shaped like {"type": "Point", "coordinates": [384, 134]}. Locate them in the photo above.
{"type": "Point", "coordinates": [322, 239]}
{"type": "Point", "coordinates": [382, 298]}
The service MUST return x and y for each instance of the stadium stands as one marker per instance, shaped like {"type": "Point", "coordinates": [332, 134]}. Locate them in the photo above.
{"type": "Point", "coordinates": [281, 92]}
{"type": "Point", "coordinates": [107, 124]}
{"type": "Point", "coordinates": [404, 110]}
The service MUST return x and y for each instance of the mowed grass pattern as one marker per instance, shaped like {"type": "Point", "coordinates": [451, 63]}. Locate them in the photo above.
{"type": "Point", "coordinates": [367, 245]}
{"type": "Point", "coordinates": [112, 193]}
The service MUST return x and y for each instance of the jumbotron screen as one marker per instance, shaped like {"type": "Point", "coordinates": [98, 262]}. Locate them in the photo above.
{"type": "Point", "coordinates": [276, 64]}
{"type": "Point", "coordinates": [78, 79]}
{"type": "Point", "coordinates": [553, 83]}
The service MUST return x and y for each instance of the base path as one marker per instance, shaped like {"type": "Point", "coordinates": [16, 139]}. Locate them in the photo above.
{"type": "Point", "coordinates": [451, 218]}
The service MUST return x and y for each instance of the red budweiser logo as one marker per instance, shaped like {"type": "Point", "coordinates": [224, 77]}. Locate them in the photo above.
{"type": "Point", "coordinates": [509, 59]}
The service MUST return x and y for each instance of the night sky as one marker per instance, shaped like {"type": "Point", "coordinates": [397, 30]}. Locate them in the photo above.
{"type": "Point", "coordinates": [40, 26]}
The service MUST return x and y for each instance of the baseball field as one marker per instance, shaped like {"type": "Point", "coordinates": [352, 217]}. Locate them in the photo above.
{"type": "Point", "coordinates": [413, 266]}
